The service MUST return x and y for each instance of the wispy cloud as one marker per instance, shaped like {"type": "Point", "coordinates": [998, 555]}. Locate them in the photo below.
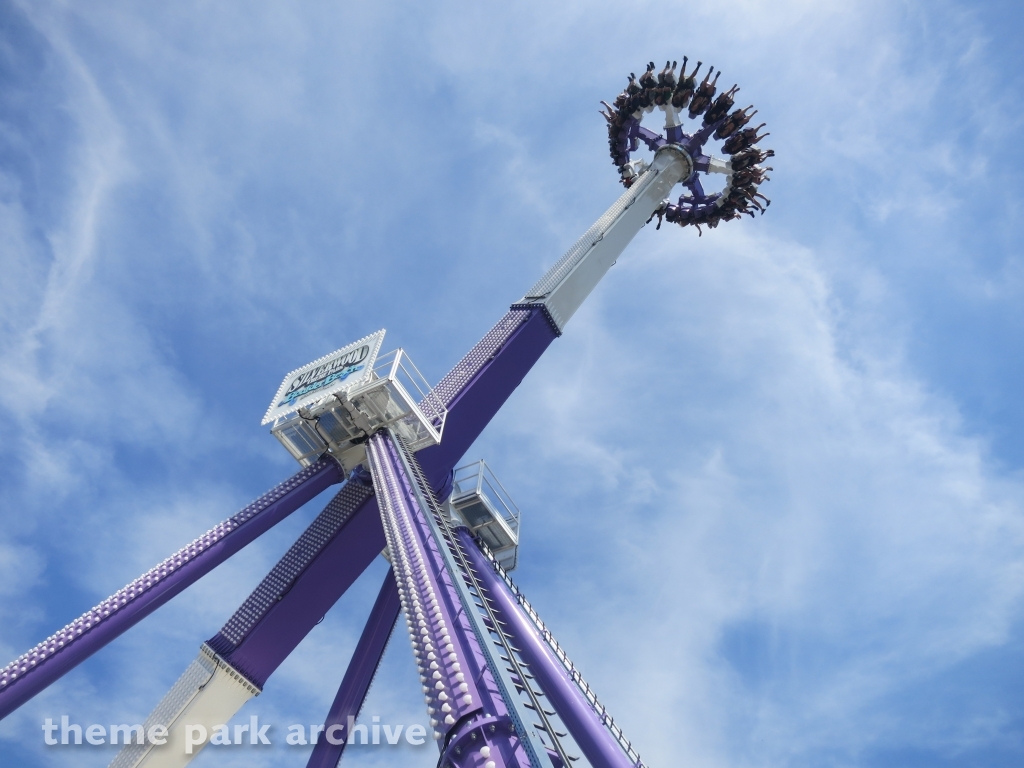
{"type": "Point", "coordinates": [771, 463]}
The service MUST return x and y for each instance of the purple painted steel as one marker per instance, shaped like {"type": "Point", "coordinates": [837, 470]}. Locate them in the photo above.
{"type": "Point", "coordinates": [491, 373]}
{"type": "Point", "coordinates": [298, 557]}
{"type": "Point", "coordinates": [325, 578]}
{"type": "Point", "coordinates": [358, 677]}
{"type": "Point", "coordinates": [463, 700]}
{"type": "Point", "coordinates": [458, 378]}
{"type": "Point", "coordinates": [598, 744]}
{"type": "Point", "coordinates": [654, 141]}
{"type": "Point", "coordinates": [35, 670]}
{"type": "Point", "coordinates": [431, 605]}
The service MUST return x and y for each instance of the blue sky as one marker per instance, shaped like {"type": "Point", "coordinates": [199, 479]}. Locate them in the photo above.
{"type": "Point", "coordinates": [771, 478]}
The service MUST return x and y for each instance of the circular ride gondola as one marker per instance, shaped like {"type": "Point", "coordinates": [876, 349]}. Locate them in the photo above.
{"type": "Point", "coordinates": [676, 97]}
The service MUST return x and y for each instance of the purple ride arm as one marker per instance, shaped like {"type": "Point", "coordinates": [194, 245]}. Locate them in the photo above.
{"type": "Point", "coordinates": [34, 670]}
{"type": "Point", "coordinates": [476, 388]}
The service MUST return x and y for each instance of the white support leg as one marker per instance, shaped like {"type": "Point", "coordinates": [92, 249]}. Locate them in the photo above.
{"type": "Point", "coordinates": [208, 694]}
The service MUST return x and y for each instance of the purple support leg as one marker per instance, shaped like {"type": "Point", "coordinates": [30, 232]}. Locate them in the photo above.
{"type": "Point", "coordinates": [317, 570]}
{"type": "Point", "coordinates": [598, 744]}
{"type": "Point", "coordinates": [467, 710]}
{"type": "Point", "coordinates": [33, 671]}
{"type": "Point", "coordinates": [359, 675]}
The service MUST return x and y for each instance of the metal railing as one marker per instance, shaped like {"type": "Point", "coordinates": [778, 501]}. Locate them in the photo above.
{"type": "Point", "coordinates": [399, 367]}
{"type": "Point", "coordinates": [479, 478]}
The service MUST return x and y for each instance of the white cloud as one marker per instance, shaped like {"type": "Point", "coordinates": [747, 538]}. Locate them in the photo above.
{"type": "Point", "coordinates": [780, 521]}
{"type": "Point", "coordinates": [748, 476]}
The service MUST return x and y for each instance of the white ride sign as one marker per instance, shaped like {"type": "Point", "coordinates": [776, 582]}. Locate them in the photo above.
{"type": "Point", "coordinates": [333, 373]}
